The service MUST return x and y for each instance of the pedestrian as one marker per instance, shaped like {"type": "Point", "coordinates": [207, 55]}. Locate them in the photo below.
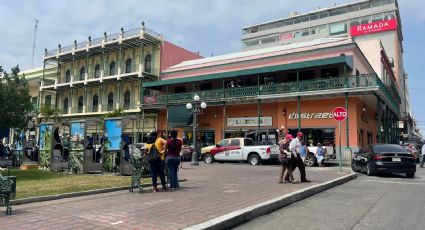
{"type": "Point", "coordinates": [320, 154]}
{"type": "Point", "coordinates": [157, 166]}
{"type": "Point", "coordinates": [285, 159]}
{"type": "Point", "coordinates": [296, 161]}
{"type": "Point", "coordinates": [423, 156]}
{"type": "Point", "coordinates": [173, 146]}
{"type": "Point", "coordinates": [304, 151]}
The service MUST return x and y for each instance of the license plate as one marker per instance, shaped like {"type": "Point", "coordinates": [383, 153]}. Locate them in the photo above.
{"type": "Point", "coordinates": [396, 159]}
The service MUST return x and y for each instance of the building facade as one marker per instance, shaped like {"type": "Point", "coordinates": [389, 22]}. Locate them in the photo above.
{"type": "Point", "coordinates": [103, 75]}
{"type": "Point", "coordinates": [374, 24]}
{"type": "Point", "coordinates": [263, 92]}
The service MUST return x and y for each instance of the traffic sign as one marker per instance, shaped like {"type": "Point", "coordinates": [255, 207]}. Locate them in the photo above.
{"type": "Point", "coordinates": [339, 113]}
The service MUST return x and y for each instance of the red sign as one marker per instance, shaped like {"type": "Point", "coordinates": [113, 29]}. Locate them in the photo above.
{"type": "Point", "coordinates": [374, 27]}
{"type": "Point", "coordinates": [150, 99]}
{"type": "Point", "coordinates": [339, 113]}
{"type": "Point", "coordinates": [284, 37]}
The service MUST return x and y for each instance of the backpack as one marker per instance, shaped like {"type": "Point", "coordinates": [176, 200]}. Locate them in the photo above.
{"type": "Point", "coordinates": [153, 155]}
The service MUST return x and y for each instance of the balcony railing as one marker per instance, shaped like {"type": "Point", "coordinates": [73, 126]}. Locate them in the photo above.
{"type": "Point", "coordinates": [325, 84]}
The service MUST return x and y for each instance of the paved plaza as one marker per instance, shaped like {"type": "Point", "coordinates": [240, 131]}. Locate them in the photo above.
{"type": "Point", "coordinates": [209, 191]}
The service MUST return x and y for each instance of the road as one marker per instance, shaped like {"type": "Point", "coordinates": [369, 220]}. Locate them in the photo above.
{"type": "Point", "coordinates": [380, 202]}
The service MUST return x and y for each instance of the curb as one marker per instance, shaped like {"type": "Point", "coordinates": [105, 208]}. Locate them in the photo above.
{"type": "Point", "coordinates": [246, 214]}
{"type": "Point", "coordinates": [76, 194]}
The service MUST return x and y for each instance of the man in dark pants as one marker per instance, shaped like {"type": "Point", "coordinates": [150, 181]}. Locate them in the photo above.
{"type": "Point", "coordinates": [296, 159]}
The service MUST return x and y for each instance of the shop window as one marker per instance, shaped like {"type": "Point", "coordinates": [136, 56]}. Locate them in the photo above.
{"type": "Point", "coordinates": [148, 64]}
{"type": "Point", "coordinates": [127, 100]}
{"type": "Point", "coordinates": [338, 28]}
{"type": "Point", "coordinates": [128, 66]}
{"type": "Point", "coordinates": [80, 104]}
{"type": "Point", "coordinates": [180, 89]}
{"type": "Point", "coordinates": [330, 72]}
{"type": "Point", "coordinates": [305, 32]}
{"type": "Point", "coordinates": [95, 103]}
{"type": "Point", "coordinates": [82, 72]}
{"type": "Point", "coordinates": [68, 76]}
{"type": "Point", "coordinates": [325, 136]}
{"type": "Point", "coordinates": [206, 86]}
{"type": "Point", "coordinates": [110, 101]}
{"type": "Point", "coordinates": [97, 71]}
{"type": "Point", "coordinates": [65, 106]}
{"type": "Point", "coordinates": [112, 69]}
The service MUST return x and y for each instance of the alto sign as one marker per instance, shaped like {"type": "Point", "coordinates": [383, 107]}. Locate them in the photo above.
{"type": "Point", "coordinates": [374, 27]}
{"type": "Point", "coordinates": [339, 113]}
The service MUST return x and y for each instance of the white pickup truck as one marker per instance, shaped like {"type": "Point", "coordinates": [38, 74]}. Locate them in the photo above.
{"type": "Point", "coordinates": [241, 149]}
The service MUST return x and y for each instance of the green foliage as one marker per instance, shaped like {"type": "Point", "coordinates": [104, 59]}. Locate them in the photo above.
{"type": "Point", "coordinates": [15, 100]}
{"type": "Point", "coordinates": [115, 113]}
{"type": "Point", "coordinates": [48, 112]}
{"type": "Point", "coordinates": [45, 156]}
{"type": "Point", "coordinates": [76, 161]}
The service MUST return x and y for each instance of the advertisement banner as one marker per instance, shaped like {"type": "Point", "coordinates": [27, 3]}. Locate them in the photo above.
{"type": "Point", "coordinates": [374, 27]}
{"type": "Point", "coordinates": [77, 133]}
{"type": "Point", "coordinates": [45, 136]}
{"type": "Point", "coordinates": [113, 132]}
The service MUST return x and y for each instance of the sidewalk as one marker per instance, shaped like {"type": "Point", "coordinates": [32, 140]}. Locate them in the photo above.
{"type": "Point", "coordinates": [210, 191]}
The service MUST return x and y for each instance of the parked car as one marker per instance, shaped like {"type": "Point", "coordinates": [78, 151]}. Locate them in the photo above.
{"type": "Point", "coordinates": [206, 150]}
{"type": "Point", "coordinates": [415, 151]}
{"type": "Point", "coordinates": [186, 152]}
{"type": "Point", "coordinates": [241, 149]}
{"type": "Point", "coordinates": [310, 159]}
{"type": "Point", "coordinates": [384, 158]}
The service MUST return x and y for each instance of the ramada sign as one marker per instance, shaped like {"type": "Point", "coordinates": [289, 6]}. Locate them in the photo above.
{"type": "Point", "coordinates": [374, 27]}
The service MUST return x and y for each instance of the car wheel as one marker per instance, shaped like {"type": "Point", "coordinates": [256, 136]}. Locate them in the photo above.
{"type": "Point", "coordinates": [254, 159]}
{"type": "Point", "coordinates": [410, 175]}
{"type": "Point", "coordinates": [353, 167]}
{"type": "Point", "coordinates": [208, 158]}
{"type": "Point", "coordinates": [369, 171]}
{"type": "Point", "coordinates": [309, 160]}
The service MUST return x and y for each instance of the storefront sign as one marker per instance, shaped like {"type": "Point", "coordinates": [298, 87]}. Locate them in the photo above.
{"type": "Point", "coordinates": [294, 116]}
{"type": "Point", "coordinates": [374, 27]}
{"type": "Point", "coordinates": [249, 121]}
{"type": "Point", "coordinates": [150, 99]}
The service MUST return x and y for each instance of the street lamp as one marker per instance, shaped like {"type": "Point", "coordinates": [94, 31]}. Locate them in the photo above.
{"type": "Point", "coordinates": [196, 107]}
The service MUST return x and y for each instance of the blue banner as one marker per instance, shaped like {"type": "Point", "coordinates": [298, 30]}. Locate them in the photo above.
{"type": "Point", "coordinates": [45, 136]}
{"type": "Point", "coordinates": [113, 132]}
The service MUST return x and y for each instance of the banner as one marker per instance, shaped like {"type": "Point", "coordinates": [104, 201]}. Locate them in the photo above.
{"type": "Point", "coordinates": [113, 132]}
{"type": "Point", "coordinates": [45, 136]}
{"type": "Point", "coordinates": [77, 134]}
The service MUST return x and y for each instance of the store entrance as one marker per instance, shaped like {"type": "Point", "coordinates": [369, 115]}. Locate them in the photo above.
{"type": "Point", "coordinates": [262, 137]}
{"type": "Point", "coordinates": [325, 136]}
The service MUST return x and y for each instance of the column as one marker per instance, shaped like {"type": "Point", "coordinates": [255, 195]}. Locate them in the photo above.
{"type": "Point", "coordinates": [142, 59]}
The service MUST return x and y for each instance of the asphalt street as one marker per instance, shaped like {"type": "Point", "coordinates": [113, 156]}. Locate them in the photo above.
{"type": "Point", "coordinates": [390, 202]}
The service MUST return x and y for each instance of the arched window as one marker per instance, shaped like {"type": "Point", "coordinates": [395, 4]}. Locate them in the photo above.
{"type": "Point", "coordinates": [128, 66]}
{"type": "Point", "coordinates": [127, 100]}
{"type": "Point", "coordinates": [67, 75]}
{"type": "Point", "coordinates": [97, 71]}
{"type": "Point", "coordinates": [65, 106]}
{"type": "Point", "coordinates": [112, 68]}
{"type": "Point", "coordinates": [110, 101]}
{"type": "Point", "coordinates": [95, 103]}
{"type": "Point", "coordinates": [82, 72]}
{"type": "Point", "coordinates": [148, 64]}
{"type": "Point", "coordinates": [80, 104]}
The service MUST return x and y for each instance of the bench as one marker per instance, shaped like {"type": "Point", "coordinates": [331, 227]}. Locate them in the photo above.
{"type": "Point", "coordinates": [7, 191]}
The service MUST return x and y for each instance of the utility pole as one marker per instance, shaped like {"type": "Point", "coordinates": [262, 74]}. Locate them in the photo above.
{"type": "Point", "coordinates": [33, 42]}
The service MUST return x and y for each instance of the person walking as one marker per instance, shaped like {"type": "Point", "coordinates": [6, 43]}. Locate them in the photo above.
{"type": "Point", "coordinates": [296, 161]}
{"type": "Point", "coordinates": [423, 156]}
{"type": "Point", "coordinates": [157, 166]}
{"type": "Point", "coordinates": [320, 154]}
{"type": "Point", "coordinates": [172, 160]}
{"type": "Point", "coordinates": [285, 159]}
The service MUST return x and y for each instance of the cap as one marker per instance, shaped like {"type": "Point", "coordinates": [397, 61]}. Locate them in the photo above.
{"type": "Point", "coordinates": [300, 134]}
{"type": "Point", "coordinates": [289, 137]}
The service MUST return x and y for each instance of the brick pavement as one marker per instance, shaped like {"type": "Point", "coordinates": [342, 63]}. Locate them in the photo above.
{"type": "Point", "coordinates": [210, 191]}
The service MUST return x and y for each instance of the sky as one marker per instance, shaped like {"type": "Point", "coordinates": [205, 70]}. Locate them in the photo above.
{"type": "Point", "coordinates": [212, 27]}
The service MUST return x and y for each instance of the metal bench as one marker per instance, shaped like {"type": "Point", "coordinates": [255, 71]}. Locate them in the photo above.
{"type": "Point", "coordinates": [7, 191]}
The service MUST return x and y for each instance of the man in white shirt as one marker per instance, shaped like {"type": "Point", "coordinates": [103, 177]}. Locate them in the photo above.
{"type": "Point", "coordinates": [423, 156]}
{"type": "Point", "coordinates": [297, 161]}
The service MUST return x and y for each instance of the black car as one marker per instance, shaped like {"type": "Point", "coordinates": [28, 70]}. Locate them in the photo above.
{"type": "Point", "coordinates": [384, 158]}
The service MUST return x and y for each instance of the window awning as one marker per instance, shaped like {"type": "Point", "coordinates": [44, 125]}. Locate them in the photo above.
{"type": "Point", "coordinates": [178, 116]}
{"type": "Point", "coordinates": [348, 60]}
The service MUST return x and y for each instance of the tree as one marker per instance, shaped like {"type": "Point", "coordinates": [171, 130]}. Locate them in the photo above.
{"type": "Point", "coordinates": [15, 100]}
{"type": "Point", "coordinates": [48, 112]}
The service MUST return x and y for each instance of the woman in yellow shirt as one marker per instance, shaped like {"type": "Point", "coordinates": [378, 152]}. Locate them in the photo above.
{"type": "Point", "coordinates": [157, 167]}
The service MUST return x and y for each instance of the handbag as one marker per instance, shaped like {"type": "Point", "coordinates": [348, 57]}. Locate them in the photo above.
{"type": "Point", "coordinates": [153, 155]}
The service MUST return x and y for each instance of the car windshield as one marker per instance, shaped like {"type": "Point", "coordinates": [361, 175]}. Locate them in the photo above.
{"type": "Point", "coordinates": [388, 148]}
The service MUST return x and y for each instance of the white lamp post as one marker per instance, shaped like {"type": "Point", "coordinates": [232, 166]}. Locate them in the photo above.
{"type": "Point", "coordinates": [196, 107]}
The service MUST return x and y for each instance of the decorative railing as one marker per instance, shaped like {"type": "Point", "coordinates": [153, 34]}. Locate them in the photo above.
{"type": "Point", "coordinates": [324, 84]}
